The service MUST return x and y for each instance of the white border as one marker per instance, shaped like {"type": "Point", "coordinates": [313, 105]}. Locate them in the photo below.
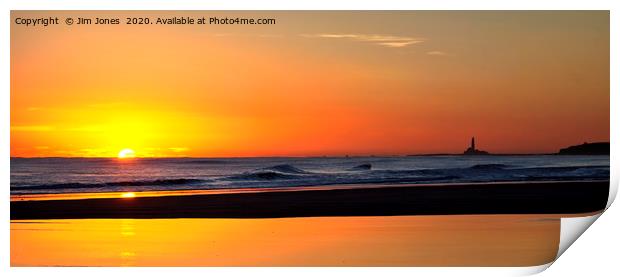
{"type": "Point", "coordinates": [312, 5]}
{"type": "Point", "coordinates": [308, 5]}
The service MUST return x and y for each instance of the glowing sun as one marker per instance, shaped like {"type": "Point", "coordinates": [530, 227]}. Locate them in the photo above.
{"type": "Point", "coordinates": [126, 153]}
{"type": "Point", "coordinates": [128, 195]}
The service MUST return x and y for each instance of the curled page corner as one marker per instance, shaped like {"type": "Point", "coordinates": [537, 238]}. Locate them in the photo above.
{"type": "Point", "coordinates": [613, 191]}
{"type": "Point", "coordinates": [532, 270]}
{"type": "Point", "coordinates": [573, 227]}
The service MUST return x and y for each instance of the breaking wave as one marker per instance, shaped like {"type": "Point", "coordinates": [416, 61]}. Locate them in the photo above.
{"type": "Point", "coordinates": [361, 167]}
{"type": "Point", "coordinates": [278, 172]}
{"type": "Point", "coordinates": [285, 168]}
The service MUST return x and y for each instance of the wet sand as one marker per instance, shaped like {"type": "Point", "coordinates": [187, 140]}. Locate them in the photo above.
{"type": "Point", "coordinates": [469, 240]}
{"type": "Point", "coordinates": [488, 198]}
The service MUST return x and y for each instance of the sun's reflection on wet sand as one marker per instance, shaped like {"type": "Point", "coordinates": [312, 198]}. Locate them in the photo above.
{"type": "Point", "coordinates": [127, 253]}
{"type": "Point", "coordinates": [127, 227]}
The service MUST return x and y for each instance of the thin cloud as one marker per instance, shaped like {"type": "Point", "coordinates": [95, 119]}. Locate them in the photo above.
{"type": "Point", "coordinates": [32, 128]}
{"type": "Point", "coordinates": [396, 44]}
{"type": "Point", "coordinates": [436, 53]}
{"type": "Point", "coordinates": [178, 149]}
{"type": "Point", "coordinates": [382, 40]}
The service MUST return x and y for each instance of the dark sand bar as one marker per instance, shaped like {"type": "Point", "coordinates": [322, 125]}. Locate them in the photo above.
{"type": "Point", "coordinates": [453, 199]}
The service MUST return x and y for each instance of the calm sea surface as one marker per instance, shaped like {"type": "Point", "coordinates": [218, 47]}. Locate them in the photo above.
{"type": "Point", "coordinates": [65, 175]}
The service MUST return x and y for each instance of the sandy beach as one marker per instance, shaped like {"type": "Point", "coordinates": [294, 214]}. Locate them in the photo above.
{"type": "Point", "coordinates": [489, 198]}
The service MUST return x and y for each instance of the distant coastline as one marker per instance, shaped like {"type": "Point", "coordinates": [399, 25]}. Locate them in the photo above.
{"type": "Point", "coordinates": [595, 148]}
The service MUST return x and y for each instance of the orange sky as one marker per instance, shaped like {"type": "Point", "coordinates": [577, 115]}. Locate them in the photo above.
{"type": "Point", "coordinates": [316, 83]}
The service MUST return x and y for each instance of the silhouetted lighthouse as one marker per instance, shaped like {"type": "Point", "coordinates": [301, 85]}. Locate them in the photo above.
{"type": "Point", "coordinates": [472, 149]}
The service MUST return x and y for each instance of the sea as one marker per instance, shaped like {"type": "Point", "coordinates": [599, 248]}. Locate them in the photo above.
{"type": "Point", "coordinates": [80, 175]}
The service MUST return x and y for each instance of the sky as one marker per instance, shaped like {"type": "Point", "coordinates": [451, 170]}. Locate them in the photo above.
{"type": "Point", "coordinates": [314, 84]}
